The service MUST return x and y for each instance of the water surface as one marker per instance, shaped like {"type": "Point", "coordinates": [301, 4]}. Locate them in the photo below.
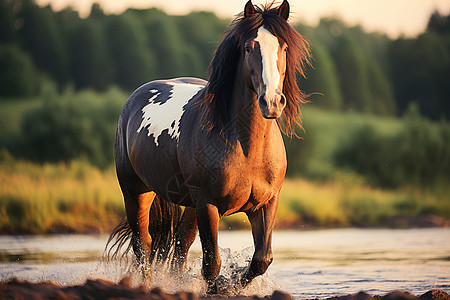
{"type": "Point", "coordinates": [307, 264]}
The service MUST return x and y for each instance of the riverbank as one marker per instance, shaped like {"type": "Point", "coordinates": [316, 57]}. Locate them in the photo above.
{"type": "Point", "coordinates": [104, 289]}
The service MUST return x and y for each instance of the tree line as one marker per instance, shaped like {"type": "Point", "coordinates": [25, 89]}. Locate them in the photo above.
{"type": "Point", "coordinates": [353, 70]}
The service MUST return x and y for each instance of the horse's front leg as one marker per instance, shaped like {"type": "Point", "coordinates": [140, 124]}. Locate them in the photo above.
{"type": "Point", "coordinates": [208, 226]}
{"type": "Point", "coordinates": [262, 221]}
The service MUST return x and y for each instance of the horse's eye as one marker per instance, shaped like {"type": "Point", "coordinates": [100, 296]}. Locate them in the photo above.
{"type": "Point", "coordinates": [248, 49]}
{"type": "Point", "coordinates": [286, 49]}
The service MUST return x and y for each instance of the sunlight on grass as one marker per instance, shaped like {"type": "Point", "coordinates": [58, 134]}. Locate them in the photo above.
{"type": "Point", "coordinates": [58, 197]}
{"type": "Point", "coordinates": [348, 201]}
{"type": "Point", "coordinates": [77, 197]}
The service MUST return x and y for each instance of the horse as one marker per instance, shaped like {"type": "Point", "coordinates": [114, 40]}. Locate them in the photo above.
{"type": "Point", "coordinates": [189, 152]}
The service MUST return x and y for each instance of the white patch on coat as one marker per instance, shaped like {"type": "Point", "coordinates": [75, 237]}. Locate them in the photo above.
{"type": "Point", "coordinates": [269, 45]}
{"type": "Point", "coordinates": [157, 117]}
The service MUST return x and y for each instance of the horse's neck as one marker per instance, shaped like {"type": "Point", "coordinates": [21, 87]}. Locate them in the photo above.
{"type": "Point", "coordinates": [252, 130]}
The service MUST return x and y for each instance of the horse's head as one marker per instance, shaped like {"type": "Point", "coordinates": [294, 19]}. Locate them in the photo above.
{"type": "Point", "coordinates": [270, 53]}
{"type": "Point", "coordinates": [265, 64]}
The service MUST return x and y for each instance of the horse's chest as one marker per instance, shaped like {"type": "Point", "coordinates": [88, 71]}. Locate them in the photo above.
{"type": "Point", "coordinates": [249, 183]}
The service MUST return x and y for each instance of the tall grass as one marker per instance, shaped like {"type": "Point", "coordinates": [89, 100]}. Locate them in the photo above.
{"type": "Point", "coordinates": [77, 197]}
{"type": "Point", "coordinates": [349, 201]}
{"type": "Point", "coordinates": [73, 197]}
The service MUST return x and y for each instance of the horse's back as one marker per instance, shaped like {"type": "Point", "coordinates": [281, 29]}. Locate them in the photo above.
{"type": "Point", "coordinates": [149, 129]}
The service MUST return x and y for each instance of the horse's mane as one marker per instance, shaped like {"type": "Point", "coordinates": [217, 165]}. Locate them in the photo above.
{"type": "Point", "coordinates": [222, 70]}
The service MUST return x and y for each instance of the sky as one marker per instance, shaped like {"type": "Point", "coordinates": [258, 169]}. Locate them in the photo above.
{"type": "Point", "coordinates": [393, 17]}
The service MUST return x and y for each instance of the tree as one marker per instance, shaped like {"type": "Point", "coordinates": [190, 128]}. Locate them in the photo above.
{"type": "Point", "coordinates": [17, 74]}
{"type": "Point", "coordinates": [165, 41]}
{"type": "Point", "coordinates": [41, 37]}
{"type": "Point", "coordinates": [200, 40]}
{"type": "Point", "coordinates": [133, 61]}
{"type": "Point", "coordinates": [439, 23]}
{"type": "Point", "coordinates": [90, 63]}
{"type": "Point", "coordinates": [353, 77]}
{"type": "Point", "coordinates": [324, 80]}
{"type": "Point", "coordinates": [70, 126]}
{"type": "Point", "coordinates": [381, 92]}
{"type": "Point", "coordinates": [7, 27]}
{"type": "Point", "coordinates": [421, 68]}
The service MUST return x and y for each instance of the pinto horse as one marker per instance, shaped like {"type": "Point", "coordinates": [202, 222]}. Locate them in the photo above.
{"type": "Point", "coordinates": [189, 152]}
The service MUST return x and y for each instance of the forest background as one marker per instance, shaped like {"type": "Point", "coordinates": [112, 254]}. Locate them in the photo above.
{"type": "Point", "coordinates": [375, 147]}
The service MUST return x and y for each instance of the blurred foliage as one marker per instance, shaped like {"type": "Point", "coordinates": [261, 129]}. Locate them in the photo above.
{"type": "Point", "coordinates": [353, 70]}
{"type": "Point", "coordinates": [385, 152]}
{"type": "Point", "coordinates": [418, 154]}
{"type": "Point", "coordinates": [48, 198]}
{"type": "Point", "coordinates": [421, 72]}
{"type": "Point", "coordinates": [18, 75]}
{"type": "Point", "coordinates": [39, 33]}
{"type": "Point", "coordinates": [71, 125]}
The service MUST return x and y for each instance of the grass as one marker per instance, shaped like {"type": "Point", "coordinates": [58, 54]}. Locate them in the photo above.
{"type": "Point", "coordinates": [77, 197]}
{"type": "Point", "coordinates": [348, 201]}
{"type": "Point", "coordinates": [74, 197]}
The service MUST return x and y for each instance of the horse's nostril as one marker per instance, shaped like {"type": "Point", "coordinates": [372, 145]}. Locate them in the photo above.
{"type": "Point", "coordinates": [283, 100]}
{"type": "Point", "coordinates": [262, 101]}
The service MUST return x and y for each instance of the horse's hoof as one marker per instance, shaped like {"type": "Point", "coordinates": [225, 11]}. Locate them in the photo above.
{"type": "Point", "coordinates": [228, 286]}
{"type": "Point", "coordinates": [212, 288]}
{"type": "Point", "coordinates": [222, 284]}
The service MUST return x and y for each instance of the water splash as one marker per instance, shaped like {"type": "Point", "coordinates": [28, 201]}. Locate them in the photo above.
{"type": "Point", "coordinates": [233, 266]}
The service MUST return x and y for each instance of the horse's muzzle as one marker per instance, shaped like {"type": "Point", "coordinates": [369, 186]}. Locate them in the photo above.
{"type": "Point", "coordinates": [272, 108]}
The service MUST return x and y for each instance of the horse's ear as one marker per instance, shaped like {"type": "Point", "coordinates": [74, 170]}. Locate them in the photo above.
{"type": "Point", "coordinates": [283, 10]}
{"type": "Point", "coordinates": [249, 9]}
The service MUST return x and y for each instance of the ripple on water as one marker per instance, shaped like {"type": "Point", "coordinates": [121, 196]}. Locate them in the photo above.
{"type": "Point", "coordinates": [307, 264]}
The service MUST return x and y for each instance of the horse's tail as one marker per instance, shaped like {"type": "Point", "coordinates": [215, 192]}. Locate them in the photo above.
{"type": "Point", "coordinates": [120, 237]}
{"type": "Point", "coordinates": [163, 220]}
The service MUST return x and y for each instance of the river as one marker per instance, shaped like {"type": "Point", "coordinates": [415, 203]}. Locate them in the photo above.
{"type": "Point", "coordinates": [307, 263]}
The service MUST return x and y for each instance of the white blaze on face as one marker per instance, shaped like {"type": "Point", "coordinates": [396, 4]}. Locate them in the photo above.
{"type": "Point", "coordinates": [268, 43]}
{"type": "Point", "coordinates": [157, 117]}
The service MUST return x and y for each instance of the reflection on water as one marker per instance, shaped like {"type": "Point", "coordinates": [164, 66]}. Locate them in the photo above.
{"type": "Point", "coordinates": [307, 264]}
